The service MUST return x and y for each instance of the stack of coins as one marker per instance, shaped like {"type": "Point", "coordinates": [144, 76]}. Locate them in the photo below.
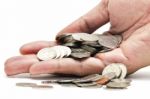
{"type": "Point", "coordinates": [80, 45]}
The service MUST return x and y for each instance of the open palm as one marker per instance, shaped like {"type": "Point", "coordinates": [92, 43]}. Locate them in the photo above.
{"type": "Point", "coordinates": [130, 18]}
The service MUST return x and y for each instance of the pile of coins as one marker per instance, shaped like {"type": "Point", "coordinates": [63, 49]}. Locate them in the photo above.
{"type": "Point", "coordinates": [83, 45]}
{"type": "Point", "coordinates": [113, 76]}
{"type": "Point", "coordinates": [80, 45]}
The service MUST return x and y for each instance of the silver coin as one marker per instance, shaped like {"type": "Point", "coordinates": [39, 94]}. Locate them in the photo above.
{"type": "Point", "coordinates": [119, 38]}
{"type": "Point", "coordinates": [123, 70]}
{"type": "Point", "coordinates": [96, 78]}
{"type": "Point", "coordinates": [109, 41]}
{"type": "Point", "coordinates": [42, 86]}
{"type": "Point", "coordinates": [46, 54]}
{"type": "Point", "coordinates": [110, 75]}
{"type": "Point", "coordinates": [77, 36]}
{"type": "Point", "coordinates": [62, 51]}
{"type": "Point", "coordinates": [89, 49]}
{"type": "Point", "coordinates": [64, 38]}
{"type": "Point", "coordinates": [71, 44]}
{"type": "Point", "coordinates": [50, 81]}
{"type": "Point", "coordinates": [117, 85]}
{"type": "Point", "coordinates": [88, 84]}
{"type": "Point", "coordinates": [128, 81]}
{"type": "Point", "coordinates": [25, 84]}
{"type": "Point", "coordinates": [65, 81]}
{"type": "Point", "coordinates": [112, 68]}
{"type": "Point", "coordinates": [89, 37]}
{"type": "Point", "coordinates": [80, 53]}
{"type": "Point", "coordinates": [104, 49]}
{"type": "Point", "coordinates": [92, 44]}
{"type": "Point", "coordinates": [88, 78]}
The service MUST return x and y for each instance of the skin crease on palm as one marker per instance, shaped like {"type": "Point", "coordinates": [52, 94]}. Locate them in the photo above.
{"type": "Point", "coordinates": [130, 18]}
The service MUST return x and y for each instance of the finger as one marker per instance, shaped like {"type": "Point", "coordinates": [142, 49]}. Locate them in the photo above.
{"type": "Point", "coordinates": [19, 64]}
{"type": "Point", "coordinates": [68, 66]}
{"type": "Point", "coordinates": [91, 21]}
{"type": "Point", "coordinates": [116, 56]}
{"type": "Point", "coordinates": [34, 47]}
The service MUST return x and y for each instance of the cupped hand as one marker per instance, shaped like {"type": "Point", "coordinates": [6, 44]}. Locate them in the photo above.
{"type": "Point", "coordinates": [129, 18]}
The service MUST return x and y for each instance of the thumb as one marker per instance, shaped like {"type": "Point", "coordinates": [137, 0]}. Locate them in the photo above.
{"type": "Point", "coordinates": [91, 21]}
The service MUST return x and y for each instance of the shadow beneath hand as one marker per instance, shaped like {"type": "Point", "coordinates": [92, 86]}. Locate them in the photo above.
{"type": "Point", "coordinates": [43, 76]}
{"type": "Point", "coordinates": [140, 76]}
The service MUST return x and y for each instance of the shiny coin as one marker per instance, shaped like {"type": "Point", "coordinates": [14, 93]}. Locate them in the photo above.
{"type": "Point", "coordinates": [42, 86]}
{"type": "Point", "coordinates": [110, 75]}
{"type": "Point", "coordinates": [104, 49]}
{"type": "Point", "coordinates": [117, 85]}
{"type": "Point", "coordinates": [128, 81]}
{"type": "Point", "coordinates": [24, 84]}
{"type": "Point", "coordinates": [53, 52]}
{"type": "Point", "coordinates": [123, 70]}
{"type": "Point", "coordinates": [92, 44]}
{"type": "Point", "coordinates": [80, 53]}
{"type": "Point", "coordinates": [72, 44]}
{"type": "Point", "coordinates": [64, 38]}
{"type": "Point", "coordinates": [89, 37]}
{"type": "Point", "coordinates": [50, 81]}
{"type": "Point", "coordinates": [119, 38]}
{"type": "Point", "coordinates": [46, 54]}
{"type": "Point", "coordinates": [77, 36]}
{"type": "Point", "coordinates": [65, 81]}
{"type": "Point", "coordinates": [109, 41]}
{"type": "Point", "coordinates": [88, 78]}
{"type": "Point", "coordinates": [89, 49]}
{"type": "Point", "coordinates": [88, 84]}
{"type": "Point", "coordinates": [112, 68]}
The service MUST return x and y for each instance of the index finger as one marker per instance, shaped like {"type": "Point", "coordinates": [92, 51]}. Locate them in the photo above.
{"type": "Point", "coordinates": [91, 21]}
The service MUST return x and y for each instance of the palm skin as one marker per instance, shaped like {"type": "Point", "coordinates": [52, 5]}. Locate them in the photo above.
{"type": "Point", "coordinates": [129, 18]}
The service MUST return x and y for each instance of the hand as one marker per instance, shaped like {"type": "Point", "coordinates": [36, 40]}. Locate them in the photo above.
{"type": "Point", "coordinates": [131, 18]}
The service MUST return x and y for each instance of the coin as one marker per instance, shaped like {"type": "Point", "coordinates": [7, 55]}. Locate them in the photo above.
{"type": "Point", "coordinates": [104, 49]}
{"type": "Point", "coordinates": [110, 75]}
{"type": "Point", "coordinates": [80, 53]}
{"type": "Point", "coordinates": [87, 84]}
{"type": "Point", "coordinates": [65, 81]}
{"type": "Point", "coordinates": [112, 68]}
{"type": "Point", "coordinates": [117, 85]}
{"type": "Point", "coordinates": [109, 41]}
{"type": "Point", "coordinates": [128, 81]}
{"type": "Point", "coordinates": [94, 44]}
{"type": "Point", "coordinates": [53, 52]}
{"type": "Point", "coordinates": [123, 70]}
{"type": "Point", "coordinates": [89, 49]}
{"type": "Point", "coordinates": [89, 37]}
{"type": "Point", "coordinates": [42, 86]}
{"type": "Point", "coordinates": [72, 44]}
{"type": "Point", "coordinates": [88, 78]}
{"type": "Point", "coordinates": [62, 51]}
{"type": "Point", "coordinates": [77, 36]}
{"type": "Point", "coordinates": [50, 81]}
{"type": "Point", "coordinates": [46, 54]}
{"type": "Point", "coordinates": [64, 38]}
{"type": "Point", "coordinates": [25, 84]}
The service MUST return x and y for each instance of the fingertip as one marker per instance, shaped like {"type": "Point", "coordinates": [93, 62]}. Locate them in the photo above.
{"type": "Point", "coordinates": [19, 64]}
{"type": "Point", "coordinates": [34, 47]}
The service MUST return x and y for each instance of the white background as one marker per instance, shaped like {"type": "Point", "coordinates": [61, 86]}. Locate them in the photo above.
{"type": "Point", "coordinates": [22, 21]}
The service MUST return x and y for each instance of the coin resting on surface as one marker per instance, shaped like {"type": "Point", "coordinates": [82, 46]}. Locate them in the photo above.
{"type": "Point", "coordinates": [108, 79]}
